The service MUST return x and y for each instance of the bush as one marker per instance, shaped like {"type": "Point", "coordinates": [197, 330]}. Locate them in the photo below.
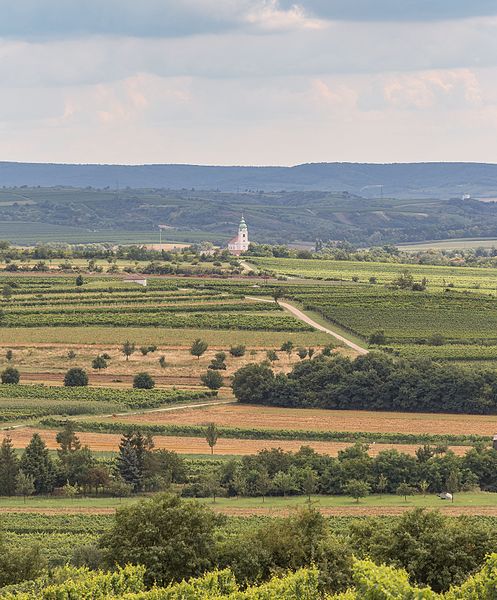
{"type": "Point", "coordinates": [237, 350]}
{"type": "Point", "coordinates": [10, 375]}
{"type": "Point", "coordinates": [76, 378]}
{"type": "Point", "coordinates": [212, 379]}
{"type": "Point", "coordinates": [99, 363]}
{"type": "Point", "coordinates": [143, 381]}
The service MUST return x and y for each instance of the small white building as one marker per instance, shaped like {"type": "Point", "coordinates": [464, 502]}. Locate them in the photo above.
{"type": "Point", "coordinates": [240, 242]}
{"type": "Point", "coordinates": [138, 279]}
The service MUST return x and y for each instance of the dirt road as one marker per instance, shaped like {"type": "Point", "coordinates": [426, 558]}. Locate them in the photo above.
{"type": "Point", "coordinates": [296, 312]}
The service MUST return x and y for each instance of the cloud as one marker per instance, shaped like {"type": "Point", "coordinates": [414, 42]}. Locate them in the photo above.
{"type": "Point", "coordinates": [48, 19]}
{"type": "Point", "coordinates": [398, 10]}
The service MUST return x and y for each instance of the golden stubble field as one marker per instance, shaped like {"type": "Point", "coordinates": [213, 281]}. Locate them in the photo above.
{"type": "Point", "coordinates": [242, 415]}
{"type": "Point", "coordinates": [107, 442]}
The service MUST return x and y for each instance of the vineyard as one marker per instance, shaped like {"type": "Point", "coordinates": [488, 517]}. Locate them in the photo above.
{"type": "Point", "coordinates": [55, 302]}
{"type": "Point", "coordinates": [437, 276]}
{"type": "Point", "coordinates": [33, 401]}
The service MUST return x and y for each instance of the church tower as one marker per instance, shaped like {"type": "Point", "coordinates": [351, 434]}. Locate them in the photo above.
{"type": "Point", "coordinates": [240, 242]}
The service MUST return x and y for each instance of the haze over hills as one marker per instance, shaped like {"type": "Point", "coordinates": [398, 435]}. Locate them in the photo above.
{"type": "Point", "coordinates": [400, 180]}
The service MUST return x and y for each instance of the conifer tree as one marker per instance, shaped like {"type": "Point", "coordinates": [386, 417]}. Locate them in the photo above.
{"type": "Point", "coordinates": [37, 463]}
{"type": "Point", "coordinates": [9, 468]}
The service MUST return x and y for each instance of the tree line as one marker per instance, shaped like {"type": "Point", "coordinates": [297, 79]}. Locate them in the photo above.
{"type": "Point", "coordinates": [371, 382]}
{"type": "Point", "coordinates": [140, 467]}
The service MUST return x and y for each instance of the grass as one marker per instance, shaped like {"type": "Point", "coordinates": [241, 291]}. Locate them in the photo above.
{"type": "Point", "coordinates": [461, 500]}
{"type": "Point", "coordinates": [160, 336]}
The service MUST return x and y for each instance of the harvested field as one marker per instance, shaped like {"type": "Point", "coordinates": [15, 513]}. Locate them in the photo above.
{"type": "Point", "coordinates": [240, 415]}
{"type": "Point", "coordinates": [190, 445]}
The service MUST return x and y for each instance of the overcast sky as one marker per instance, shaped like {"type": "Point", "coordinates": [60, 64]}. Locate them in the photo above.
{"type": "Point", "coordinates": [248, 81]}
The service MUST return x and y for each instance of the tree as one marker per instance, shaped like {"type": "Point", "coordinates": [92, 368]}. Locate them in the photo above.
{"type": "Point", "coordinates": [134, 453]}
{"type": "Point", "coordinates": [36, 463]}
{"type": "Point", "coordinates": [79, 280]}
{"type": "Point", "coordinates": [67, 439]}
{"type": "Point", "coordinates": [71, 355]}
{"type": "Point", "coordinates": [217, 363]}
{"type": "Point", "coordinates": [172, 538]}
{"type": "Point", "coordinates": [404, 489]}
{"type": "Point", "coordinates": [271, 355]}
{"type": "Point", "coordinates": [238, 350]}
{"type": "Point", "coordinates": [453, 483]}
{"type": "Point", "coordinates": [143, 381]}
{"type": "Point", "coordinates": [198, 348]}
{"type": "Point", "coordinates": [9, 468]}
{"type": "Point", "coordinates": [99, 362]}
{"type": "Point", "coordinates": [162, 362]}
{"type": "Point", "coordinates": [423, 486]}
{"type": "Point", "coordinates": [127, 349]}
{"type": "Point", "coordinates": [277, 294]}
{"type": "Point", "coordinates": [301, 352]}
{"type": "Point", "coordinates": [25, 485]}
{"type": "Point", "coordinates": [76, 377]}
{"type": "Point", "coordinates": [284, 483]}
{"type": "Point", "coordinates": [287, 347]}
{"type": "Point", "coordinates": [357, 489]}
{"type": "Point", "coordinates": [212, 379]}
{"type": "Point", "coordinates": [253, 383]}
{"type": "Point", "coordinates": [9, 355]}
{"type": "Point", "coordinates": [309, 482]}
{"type": "Point", "coordinates": [382, 484]}
{"type": "Point", "coordinates": [211, 435]}
{"type": "Point", "coordinates": [310, 352]}
{"type": "Point", "coordinates": [10, 376]}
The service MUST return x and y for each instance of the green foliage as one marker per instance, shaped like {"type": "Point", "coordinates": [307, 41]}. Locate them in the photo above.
{"type": "Point", "coordinates": [212, 379]}
{"type": "Point", "coordinates": [143, 381]}
{"type": "Point", "coordinates": [99, 362]}
{"type": "Point", "coordinates": [171, 538]}
{"type": "Point", "coordinates": [10, 375]}
{"type": "Point", "coordinates": [198, 348]}
{"type": "Point", "coordinates": [76, 377]}
{"type": "Point", "coordinates": [36, 462]}
{"type": "Point", "coordinates": [238, 350]}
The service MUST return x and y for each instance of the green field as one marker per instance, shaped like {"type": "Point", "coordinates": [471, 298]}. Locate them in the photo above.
{"type": "Point", "coordinates": [453, 244]}
{"type": "Point", "coordinates": [462, 499]}
{"type": "Point", "coordinates": [28, 233]}
{"type": "Point", "coordinates": [470, 278]}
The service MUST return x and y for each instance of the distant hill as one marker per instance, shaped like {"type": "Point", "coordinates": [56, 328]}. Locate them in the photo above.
{"type": "Point", "coordinates": [32, 214]}
{"type": "Point", "coordinates": [409, 180]}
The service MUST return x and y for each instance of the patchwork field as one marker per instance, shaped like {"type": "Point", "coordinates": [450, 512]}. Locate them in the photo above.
{"type": "Point", "coordinates": [108, 442]}
{"type": "Point", "coordinates": [239, 415]}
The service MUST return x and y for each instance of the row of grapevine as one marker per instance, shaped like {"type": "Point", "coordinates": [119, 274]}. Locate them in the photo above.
{"type": "Point", "coordinates": [252, 433]}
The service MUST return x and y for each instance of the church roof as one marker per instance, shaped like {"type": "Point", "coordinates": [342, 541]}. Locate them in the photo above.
{"type": "Point", "coordinates": [243, 225]}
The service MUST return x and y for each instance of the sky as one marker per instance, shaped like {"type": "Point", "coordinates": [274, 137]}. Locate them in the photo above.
{"type": "Point", "coordinates": [248, 82]}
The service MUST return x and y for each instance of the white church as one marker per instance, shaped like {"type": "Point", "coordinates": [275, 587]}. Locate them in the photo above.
{"type": "Point", "coordinates": [240, 242]}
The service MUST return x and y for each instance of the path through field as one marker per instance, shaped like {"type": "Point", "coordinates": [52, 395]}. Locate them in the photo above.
{"type": "Point", "coordinates": [296, 312]}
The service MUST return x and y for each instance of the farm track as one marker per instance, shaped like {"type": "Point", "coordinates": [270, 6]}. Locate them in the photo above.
{"type": "Point", "coordinates": [301, 316]}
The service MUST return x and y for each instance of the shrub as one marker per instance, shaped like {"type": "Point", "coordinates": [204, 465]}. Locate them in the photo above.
{"type": "Point", "coordinates": [10, 375]}
{"type": "Point", "coordinates": [212, 379]}
{"type": "Point", "coordinates": [76, 377]}
{"type": "Point", "coordinates": [143, 381]}
{"type": "Point", "coordinates": [237, 350]}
